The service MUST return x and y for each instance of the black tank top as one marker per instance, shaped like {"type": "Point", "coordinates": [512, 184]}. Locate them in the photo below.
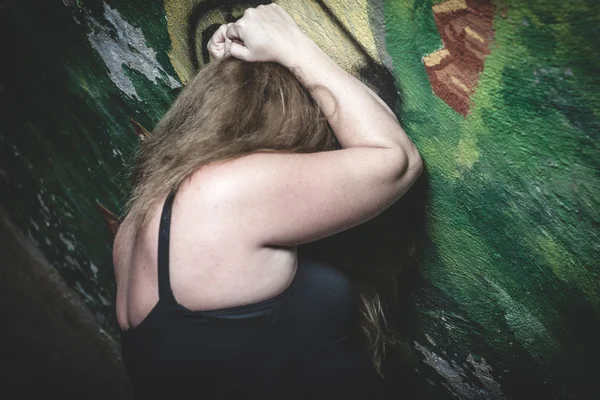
{"type": "Point", "coordinates": [299, 344]}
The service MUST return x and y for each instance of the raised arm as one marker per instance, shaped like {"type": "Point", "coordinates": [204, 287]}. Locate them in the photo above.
{"type": "Point", "coordinates": [289, 199]}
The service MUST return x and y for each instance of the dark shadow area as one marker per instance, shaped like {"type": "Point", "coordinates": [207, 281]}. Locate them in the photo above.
{"type": "Point", "coordinates": [52, 346]}
{"type": "Point", "coordinates": [387, 246]}
{"type": "Point", "coordinates": [385, 250]}
{"type": "Point", "coordinates": [382, 82]}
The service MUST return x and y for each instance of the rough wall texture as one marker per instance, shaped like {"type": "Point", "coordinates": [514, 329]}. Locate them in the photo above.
{"type": "Point", "coordinates": [51, 345]}
{"type": "Point", "coordinates": [501, 98]}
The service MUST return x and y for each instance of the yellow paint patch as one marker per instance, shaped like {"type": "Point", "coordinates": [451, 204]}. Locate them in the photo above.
{"type": "Point", "coordinates": [435, 58]}
{"type": "Point", "coordinates": [450, 6]}
{"type": "Point", "coordinates": [354, 16]}
{"type": "Point", "coordinates": [555, 256]}
{"type": "Point", "coordinates": [473, 34]}
{"type": "Point", "coordinates": [461, 85]}
{"type": "Point", "coordinates": [317, 25]}
{"type": "Point", "coordinates": [467, 153]}
{"type": "Point", "coordinates": [177, 12]}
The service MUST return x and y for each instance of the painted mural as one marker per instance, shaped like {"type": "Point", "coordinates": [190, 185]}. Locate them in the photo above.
{"type": "Point", "coordinates": [501, 98]}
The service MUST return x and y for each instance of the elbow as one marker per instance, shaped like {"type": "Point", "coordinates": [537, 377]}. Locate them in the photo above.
{"type": "Point", "coordinates": [408, 167]}
{"type": "Point", "coordinates": [415, 163]}
{"type": "Point", "coordinates": [409, 164]}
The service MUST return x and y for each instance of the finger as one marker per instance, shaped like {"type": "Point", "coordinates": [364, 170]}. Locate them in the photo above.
{"type": "Point", "coordinates": [227, 40]}
{"type": "Point", "coordinates": [219, 35]}
{"type": "Point", "coordinates": [218, 42]}
{"type": "Point", "coordinates": [213, 50]}
{"type": "Point", "coordinates": [239, 51]}
{"type": "Point", "coordinates": [234, 33]}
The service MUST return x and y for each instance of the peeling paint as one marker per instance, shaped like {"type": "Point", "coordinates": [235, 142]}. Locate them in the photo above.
{"type": "Point", "coordinates": [94, 269]}
{"type": "Point", "coordinates": [67, 241]}
{"type": "Point", "coordinates": [128, 48]}
{"type": "Point", "coordinates": [456, 376]}
{"type": "Point", "coordinates": [430, 339]}
{"type": "Point", "coordinates": [104, 300]}
{"type": "Point", "coordinates": [483, 373]}
{"type": "Point", "coordinates": [86, 296]}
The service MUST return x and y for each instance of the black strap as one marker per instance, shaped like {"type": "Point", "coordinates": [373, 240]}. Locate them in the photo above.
{"type": "Point", "coordinates": [164, 281]}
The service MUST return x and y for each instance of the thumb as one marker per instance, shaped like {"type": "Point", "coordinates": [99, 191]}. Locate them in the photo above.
{"type": "Point", "coordinates": [239, 51]}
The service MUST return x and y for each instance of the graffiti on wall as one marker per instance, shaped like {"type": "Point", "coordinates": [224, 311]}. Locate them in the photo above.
{"type": "Point", "coordinates": [353, 40]}
{"type": "Point", "coordinates": [497, 95]}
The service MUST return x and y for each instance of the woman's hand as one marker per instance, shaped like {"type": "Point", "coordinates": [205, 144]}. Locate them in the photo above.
{"type": "Point", "coordinates": [219, 44]}
{"type": "Point", "coordinates": [266, 33]}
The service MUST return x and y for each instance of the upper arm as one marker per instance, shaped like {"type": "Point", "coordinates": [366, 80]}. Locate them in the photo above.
{"type": "Point", "coordinates": [283, 199]}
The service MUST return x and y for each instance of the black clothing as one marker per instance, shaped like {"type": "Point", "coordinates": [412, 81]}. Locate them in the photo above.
{"type": "Point", "coordinates": [299, 344]}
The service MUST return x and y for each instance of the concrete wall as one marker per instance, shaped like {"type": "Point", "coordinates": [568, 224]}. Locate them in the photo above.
{"type": "Point", "coordinates": [501, 98]}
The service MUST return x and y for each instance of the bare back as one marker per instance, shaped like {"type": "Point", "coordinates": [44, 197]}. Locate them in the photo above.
{"type": "Point", "coordinates": [236, 224]}
{"type": "Point", "coordinates": [213, 263]}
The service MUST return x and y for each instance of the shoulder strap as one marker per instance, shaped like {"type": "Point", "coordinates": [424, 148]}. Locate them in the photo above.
{"type": "Point", "coordinates": [164, 281]}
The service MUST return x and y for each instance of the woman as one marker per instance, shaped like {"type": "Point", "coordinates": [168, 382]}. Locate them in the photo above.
{"type": "Point", "coordinates": [270, 146]}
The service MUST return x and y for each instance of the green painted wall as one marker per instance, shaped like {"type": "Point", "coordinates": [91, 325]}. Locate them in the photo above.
{"type": "Point", "coordinates": [510, 273]}
{"type": "Point", "coordinates": [505, 302]}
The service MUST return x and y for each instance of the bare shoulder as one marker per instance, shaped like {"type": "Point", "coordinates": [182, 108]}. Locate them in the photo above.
{"type": "Point", "coordinates": [287, 199]}
{"type": "Point", "coordinates": [255, 173]}
{"type": "Point", "coordinates": [221, 184]}
{"type": "Point", "coordinates": [223, 173]}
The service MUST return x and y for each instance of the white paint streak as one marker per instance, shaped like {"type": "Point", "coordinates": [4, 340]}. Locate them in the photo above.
{"type": "Point", "coordinates": [67, 241]}
{"type": "Point", "coordinates": [128, 48]}
{"type": "Point", "coordinates": [45, 209]}
{"type": "Point", "coordinates": [430, 339]}
{"type": "Point", "coordinates": [103, 300]}
{"type": "Point", "coordinates": [452, 374]}
{"type": "Point", "coordinates": [483, 373]}
{"type": "Point", "coordinates": [86, 297]}
{"type": "Point", "coordinates": [94, 269]}
{"type": "Point", "coordinates": [73, 262]}
{"type": "Point", "coordinates": [456, 376]}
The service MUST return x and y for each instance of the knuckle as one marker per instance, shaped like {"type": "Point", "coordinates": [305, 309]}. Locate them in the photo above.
{"type": "Point", "coordinates": [249, 11]}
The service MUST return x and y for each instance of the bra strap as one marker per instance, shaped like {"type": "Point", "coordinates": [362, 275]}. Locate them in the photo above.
{"type": "Point", "coordinates": [164, 281]}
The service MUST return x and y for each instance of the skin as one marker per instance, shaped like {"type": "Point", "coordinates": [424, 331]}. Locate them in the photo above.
{"type": "Point", "coordinates": [236, 224]}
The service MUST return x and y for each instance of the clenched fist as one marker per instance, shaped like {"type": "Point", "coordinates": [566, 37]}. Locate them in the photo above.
{"type": "Point", "coordinates": [265, 33]}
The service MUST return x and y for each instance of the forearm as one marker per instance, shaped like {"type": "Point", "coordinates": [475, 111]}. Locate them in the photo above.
{"type": "Point", "coordinates": [356, 114]}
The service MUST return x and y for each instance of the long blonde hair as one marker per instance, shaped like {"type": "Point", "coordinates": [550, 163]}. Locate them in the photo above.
{"type": "Point", "coordinates": [229, 109]}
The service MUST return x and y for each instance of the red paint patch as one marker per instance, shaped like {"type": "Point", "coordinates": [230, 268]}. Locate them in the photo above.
{"type": "Point", "coordinates": [466, 30]}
